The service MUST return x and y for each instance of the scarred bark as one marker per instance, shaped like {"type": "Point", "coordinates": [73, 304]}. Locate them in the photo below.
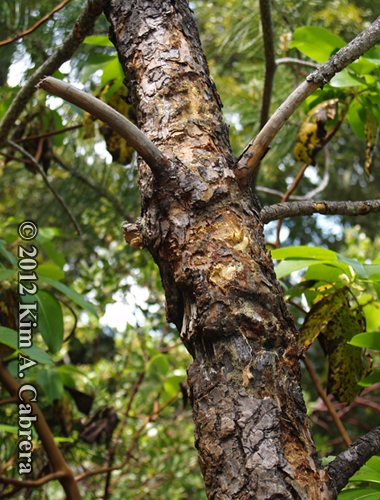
{"type": "Point", "coordinates": [204, 231]}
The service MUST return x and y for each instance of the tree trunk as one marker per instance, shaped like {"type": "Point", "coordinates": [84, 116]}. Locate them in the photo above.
{"type": "Point", "coordinates": [202, 226]}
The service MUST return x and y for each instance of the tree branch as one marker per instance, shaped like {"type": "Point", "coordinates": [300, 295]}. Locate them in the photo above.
{"type": "Point", "coordinates": [269, 56]}
{"type": "Point", "coordinates": [299, 62]}
{"type": "Point", "coordinates": [33, 483]}
{"type": "Point", "coordinates": [82, 28]}
{"type": "Point", "coordinates": [270, 67]}
{"type": "Point", "coordinates": [35, 26]}
{"type": "Point", "coordinates": [310, 194]}
{"type": "Point", "coordinates": [297, 208]}
{"type": "Point", "coordinates": [137, 139]}
{"type": "Point", "coordinates": [256, 149]}
{"type": "Point", "coordinates": [348, 54]}
{"type": "Point", "coordinates": [47, 134]}
{"type": "Point", "coordinates": [347, 463]}
{"type": "Point", "coordinates": [47, 182]}
{"type": "Point", "coordinates": [57, 461]}
{"type": "Point", "coordinates": [342, 431]}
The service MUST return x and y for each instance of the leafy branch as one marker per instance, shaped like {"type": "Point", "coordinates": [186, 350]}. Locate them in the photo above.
{"type": "Point", "coordinates": [257, 148]}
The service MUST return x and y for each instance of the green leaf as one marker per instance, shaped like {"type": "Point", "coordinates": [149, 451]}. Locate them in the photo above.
{"type": "Point", "coordinates": [374, 463]}
{"type": "Point", "coordinates": [102, 41]}
{"type": "Point", "coordinates": [160, 363]}
{"type": "Point", "coordinates": [359, 494]}
{"type": "Point", "coordinates": [326, 273]}
{"type": "Point", "coordinates": [69, 292]}
{"type": "Point", "coordinates": [9, 337]}
{"type": "Point", "coordinates": [71, 370]}
{"type": "Point", "coordinates": [11, 258]}
{"type": "Point", "coordinates": [112, 71]}
{"type": "Point", "coordinates": [371, 313]}
{"type": "Point", "coordinates": [373, 55]}
{"type": "Point", "coordinates": [346, 79]}
{"type": "Point", "coordinates": [369, 340]}
{"type": "Point", "coordinates": [357, 116]}
{"type": "Point", "coordinates": [171, 384]}
{"type": "Point", "coordinates": [47, 233]}
{"type": "Point", "coordinates": [363, 66]}
{"type": "Point", "coordinates": [12, 429]}
{"type": "Point", "coordinates": [57, 257]}
{"type": "Point", "coordinates": [50, 318]}
{"type": "Point", "coordinates": [368, 477]}
{"type": "Point", "coordinates": [51, 382]}
{"type": "Point", "coordinates": [356, 266]}
{"type": "Point", "coordinates": [50, 271]}
{"type": "Point", "coordinates": [6, 274]}
{"type": "Point", "coordinates": [305, 252]}
{"type": "Point", "coordinates": [94, 64]}
{"type": "Point", "coordinates": [376, 286]}
{"type": "Point", "coordinates": [374, 378]}
{"type": "Point", "coordinates": [288, 266]}
{"type": "Point", "coordinates": [316, 43]}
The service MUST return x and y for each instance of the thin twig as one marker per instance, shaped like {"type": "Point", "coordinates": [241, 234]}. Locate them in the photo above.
{"type": "Point", "coordinates": [83, 27]}
{"type": "Point", "coordinates": [269, 57]}
{"type": "Point", "coordinates": [269, 69]}
{"type": "Point", "coordinates": [137, 139]}
{"type": "Point", "coordinates": [10, 462]}
{"type": "Point", "coordinates": [321, 392]}
{"type": "Point", "coordinates": [35, 26]}
{"type": "Point", "coordinates": [10, 494]}
{"type": "Point", "coordinates": [47, 182]}
{"type": "Point", "coordinates": [111, 458]}
{"type": "Point", "coordinates": [47, 134]}
{"type": "Point", "coordinates": [299, 62]}
{"type": "Point", "coordinates": [33, 483]}
{"type": "Point", "coordinates": [310, 194]}
{"type": "Point", "coordinates": [103, 193]}
{"type": "Point", "coordinates": [286, 196]}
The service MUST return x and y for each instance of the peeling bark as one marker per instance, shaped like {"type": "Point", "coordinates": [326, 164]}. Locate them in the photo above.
{"type": "Point", "coordinates": [202, 226]}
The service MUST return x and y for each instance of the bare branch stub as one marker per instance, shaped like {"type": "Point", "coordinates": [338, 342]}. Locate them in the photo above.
{"type": "Point", "coordinates": [137, 139]}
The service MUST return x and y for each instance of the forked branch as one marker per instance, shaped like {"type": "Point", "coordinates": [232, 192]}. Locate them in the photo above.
{"type": "Point", "coordinates": [255, 151]}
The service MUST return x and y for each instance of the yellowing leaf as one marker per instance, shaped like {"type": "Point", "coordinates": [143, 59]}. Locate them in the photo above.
{"type": "Point", "coordinates": [312, 132]}
{"type": "Point", "coordinates": [332, 320]}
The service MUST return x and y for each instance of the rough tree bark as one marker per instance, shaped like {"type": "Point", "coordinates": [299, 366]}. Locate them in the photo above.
{"type": "Point", "coordinates": [202, 226]}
